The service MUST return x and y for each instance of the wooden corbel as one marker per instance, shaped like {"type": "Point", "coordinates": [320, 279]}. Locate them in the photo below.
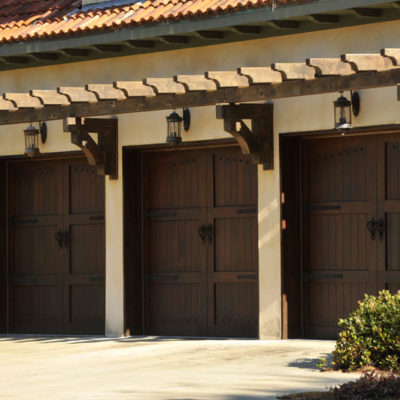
{"type": "Point", "coordinates": [104, 153]}
{"type": "Point", "coordinates": [258, 141]}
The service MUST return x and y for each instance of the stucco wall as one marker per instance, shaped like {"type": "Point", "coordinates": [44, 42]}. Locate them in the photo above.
{"type": "Point", "coordinates": [290, 115]}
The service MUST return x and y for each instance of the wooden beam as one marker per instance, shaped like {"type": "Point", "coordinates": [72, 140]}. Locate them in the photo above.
{"type": "Point", "coordinates": [368, 62]}
{"type": "Point", "coordinates": [23, 100]}
{"type": "Point", "coordinates": [285, 24]}
{"type": "Point", "coordinates": [247, 29]}
{"type": "Point", "coordinates": [367, 12]}
{"type": "Point", "coordinates": [326, 84]}
{"type": "Point", "coordinates": [134, 89]}
{"type": "Point", "coordinates": [256, 141]}
{"type": "Point", "coordinates": [325, 18]}
{"type": "Point", "coordinates": [76, 52]}
{"type": "Point", "coordinates": [108, 48]}
{"type": "Point", "coordinates": [50, 97]}
{"type": "Point", "coordinates": [393, 54]}
{"type": "Point", "coordinates": [196, 82]}
{"type": "Point", "coordinates": [164, 85]}
{"type": "Point", "coordinates": [105, 92]}
{"type": "Point", "coordinates": [215, 35]}
{"type": "Point", "coordinates": [104, 153]}
{"type": "Point", "coordinates": [292, 71]}
{"type": "Point", "coordinates": [142, 44]}
{"type": "Point", "coordinates": [330, 66]}
{"type": "Point", "coordinates": [175, 39]}
{"type": "Point", "coordinates": [77, 94]}
{"type": "Point", "coordinates": [45, 56]}
{"type": "Point", "coordinates": [261, 74]}
{"type": "Point", "coordinates": [16, 59]}
{"type": "Point", "coordinates": [225, 79]}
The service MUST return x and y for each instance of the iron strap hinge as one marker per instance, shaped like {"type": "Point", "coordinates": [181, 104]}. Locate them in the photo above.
{"type": "Point", "coordinates": [309, 207]}
{"type": "Point", "coordinates": [22, 221]}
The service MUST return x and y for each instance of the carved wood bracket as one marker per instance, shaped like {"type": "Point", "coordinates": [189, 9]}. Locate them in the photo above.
{"type": "Point", "coordinates": [103, 153]}
{"type": "Point", "coordinates": [256, 141]}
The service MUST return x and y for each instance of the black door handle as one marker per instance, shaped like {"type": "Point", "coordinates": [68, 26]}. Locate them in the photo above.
{"type": "Point", "coordinates": [65, 238]}
{"type": "Point", "coordinates": [59, 238]}
{"type": "Point", "coordinates": [202, 233]}
{"type": "Point", "coordinates": [371, 226]}
{"type": "Point", "coordinates": [209, 233]}
{"type": "Point", "coordinates": [380, 227]}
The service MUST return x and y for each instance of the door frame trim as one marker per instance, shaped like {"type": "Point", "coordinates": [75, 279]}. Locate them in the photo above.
{"type": "Point", "coordinates": [301, 136]}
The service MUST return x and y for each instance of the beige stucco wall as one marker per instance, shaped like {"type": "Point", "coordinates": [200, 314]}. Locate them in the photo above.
{"type": "Point", "coordinates": [290, 115]}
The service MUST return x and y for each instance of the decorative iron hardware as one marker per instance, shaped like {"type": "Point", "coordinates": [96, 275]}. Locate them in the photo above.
{"type": "Point", "coordinates": [380, 228]}
{"type": "Point", "coordinates": [22, 221]}
{"type": "Point", "coordinates": [152, 277]}
{"type": "Point", "coordinates": [59, 238]}
{"type": "Point", "coordinates": [246, 211]}
{"type": "Point", "coordinates": [308, 276]}
{"type": "Point", "coordinates": [308, 207]}
{"type": "Point", "coordinates": [96, 279]}
{"type": "Point", "coordinates": [371, 226]}
{"type": "Point", "coordinates": [155, 214]}
{"type": "Point", "coordinates": [18, 280]}
{"type": "Point", "coordinates": [97, 218]}
{"type": "Point", "coordinates": [247, 276]}
{"type": "Point", "coordinates": [209, 233]}
{"type": "Point", "coordinates": [65, 238]}
{"type": "Point", "coordinates": [202, 233]}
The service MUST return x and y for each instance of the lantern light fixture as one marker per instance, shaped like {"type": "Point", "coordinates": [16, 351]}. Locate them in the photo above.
{"type": "Point", "coordinates": [174, 126]}
{"type": "Point", "coordinates": [31, 141]}
{"type": "Point", "coordinates": [344, 109]}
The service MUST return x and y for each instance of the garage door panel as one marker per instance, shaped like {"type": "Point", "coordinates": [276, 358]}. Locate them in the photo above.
{"type": "Point", "coordinates": [84, 258]}
{"type": "Point", "coordinates": [175, 246]}
{"type": "Point", "coordinates": [86, 308]}
{"type": "Point", "coordinates": [177, 305]}
{"type": "Point", "coordinates": [236, 244]}
{"type": "Point", "coordinates": [340, 253]}
{"type": "Point", "coordinates": [339, 241]}
{"type": "Point", "coordinates": [41, 253]}
{"type": "Point", "coordinates": [175, 182]}
{"type": "Point", "coordinates": [86, 189]}
{"type": "Point", "coordinates": [51, 240]}
{"type": "Point", "coordinates": [36, 190]}
{"type": "Point", "coordinates": [195, 250]}
{"type": "Point", "coordinates": [234, 179]}
{"type": "Point", "coordinates": [36, 306]}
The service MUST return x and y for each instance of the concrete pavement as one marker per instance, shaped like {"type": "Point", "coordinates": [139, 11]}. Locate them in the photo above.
{"type": "Point", "coordinates": [159, 368]}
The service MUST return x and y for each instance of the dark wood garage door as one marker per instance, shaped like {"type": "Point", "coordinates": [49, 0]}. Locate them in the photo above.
{"type": "Point", "coordinates": [56, 248]}
{"type": "Point", "coordinates": [351, 199]}
{"type": "Point", "coordinates": [201, 250]}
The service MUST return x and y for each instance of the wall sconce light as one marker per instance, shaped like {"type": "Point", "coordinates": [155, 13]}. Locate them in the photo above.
{"type": "Point", "coordinates": [32, 139]}
{"type": "Point", "coordinates": [174, 122]}
{"type": "Point", "coordinates": [344, 108]}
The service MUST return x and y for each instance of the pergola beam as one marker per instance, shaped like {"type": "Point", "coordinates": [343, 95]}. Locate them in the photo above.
{"type": "Point", "coordinates": [174, 98]}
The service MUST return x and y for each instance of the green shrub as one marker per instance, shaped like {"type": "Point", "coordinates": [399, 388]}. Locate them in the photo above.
{"type": "Point", "coordinates": [370, 336]}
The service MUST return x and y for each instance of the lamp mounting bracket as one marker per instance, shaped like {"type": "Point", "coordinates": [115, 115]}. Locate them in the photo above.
{"type": "Point", "coordinates": [257, 141]}
{"type": "Point", "coordinates": [104, 153]}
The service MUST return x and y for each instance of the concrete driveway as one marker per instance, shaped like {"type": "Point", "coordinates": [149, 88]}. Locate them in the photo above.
{"type": "Point", "coordinates": [159, 368]}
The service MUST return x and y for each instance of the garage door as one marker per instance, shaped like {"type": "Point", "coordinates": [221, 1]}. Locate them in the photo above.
{"type": "Point", "coordinates": [56, 248]}
{"type": "Point", "coordinates": [351, 214]}
{"type": "Point", "coordinates": [201, 250]}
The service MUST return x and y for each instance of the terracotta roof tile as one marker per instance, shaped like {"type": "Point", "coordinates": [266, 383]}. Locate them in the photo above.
{"type": "Point", "coordinates": [22, 20]}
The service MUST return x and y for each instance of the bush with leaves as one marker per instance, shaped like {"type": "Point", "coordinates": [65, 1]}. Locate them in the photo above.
{"type": "Point", "coordinates": [370, 336]}
{"type": "Point", "coordinates": [370, 386]}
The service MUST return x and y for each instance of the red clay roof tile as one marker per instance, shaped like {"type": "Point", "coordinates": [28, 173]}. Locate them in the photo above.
{"type": "Point", "coordinates": [22, 20]}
